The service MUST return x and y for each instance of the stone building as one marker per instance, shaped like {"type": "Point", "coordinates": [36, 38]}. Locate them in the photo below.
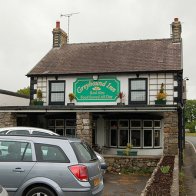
{"type": "Point", "coordinates": [114, 86]}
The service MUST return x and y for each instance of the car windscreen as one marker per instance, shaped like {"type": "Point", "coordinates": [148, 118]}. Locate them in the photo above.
{"type": "Point", "coordinates": [84, 152]}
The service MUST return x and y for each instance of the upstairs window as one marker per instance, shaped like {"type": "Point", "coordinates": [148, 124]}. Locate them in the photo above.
{"type": "Point", "coordinates": [57, 93]}
{"type": "Point", "coordinates": [138, 91]}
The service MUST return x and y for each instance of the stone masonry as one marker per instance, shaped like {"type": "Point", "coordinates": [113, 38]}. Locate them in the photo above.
{"type": "Point", "coordinates": [7, 119]}
{"type": "Point", "coordinates": [170, 133]}
{"type": "Point", "coordinates": [84, 126]}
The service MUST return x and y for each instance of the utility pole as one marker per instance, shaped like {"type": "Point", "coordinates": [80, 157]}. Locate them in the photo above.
{"type": "Point", "coordinates": [68, 18]}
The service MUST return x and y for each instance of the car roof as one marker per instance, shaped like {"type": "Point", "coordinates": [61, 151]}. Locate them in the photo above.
{"type": "Point", "coordinates": [28, 128]}
{"type": "Point", "coordinates": [34, 137]}
{"type": "Point", "coordinates": [37, 137]}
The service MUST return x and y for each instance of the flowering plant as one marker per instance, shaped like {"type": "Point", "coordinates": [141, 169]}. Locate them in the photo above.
{"type": "Point", "coordinates": [71, 97]}
{"type": "Point", "coordinates": [121, 95]}
{"type": "Point", "coordinates": [161, 95]}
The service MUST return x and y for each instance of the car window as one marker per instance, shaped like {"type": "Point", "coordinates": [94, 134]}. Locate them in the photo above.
{"type": "Point", "coordinates": [3, 132]}
{"type": "Point", "coordinates": [14, 151]}
{"type": "Point", "coordinates": [83, 152]}
{"type": "Point", "coordinates": [19, 132]}
{"type": "Point", "coordinates": [50, 153]}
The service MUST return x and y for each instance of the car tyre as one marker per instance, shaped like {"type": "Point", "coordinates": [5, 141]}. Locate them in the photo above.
{"type": "Point", "coordinates": [40, 191]}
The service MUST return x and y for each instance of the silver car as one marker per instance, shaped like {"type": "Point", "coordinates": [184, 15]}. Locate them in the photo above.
{"type": "Point", "coordinates": [25, 131]}
{"type": "Point", "coordinates": [48, 166]}
{"type": "Point", "coordinates": [3, 192]}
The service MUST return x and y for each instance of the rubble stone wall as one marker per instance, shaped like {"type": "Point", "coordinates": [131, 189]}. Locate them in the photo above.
{"type": "Point", "coordinates": [8, 119]}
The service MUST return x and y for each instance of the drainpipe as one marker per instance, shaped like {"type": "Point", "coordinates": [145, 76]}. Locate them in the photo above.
{"type": "Point", "coordinates": [180, 119]}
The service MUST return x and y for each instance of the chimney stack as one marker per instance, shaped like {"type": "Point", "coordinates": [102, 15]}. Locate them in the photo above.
{"type": "Point", "coordinates": [176, 31]}
{"type": "Point", "coordinates": [59, 36]}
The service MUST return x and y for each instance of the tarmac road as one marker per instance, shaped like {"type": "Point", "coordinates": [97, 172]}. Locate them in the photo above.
{"type": "Point", "coordinates": [190, 167]}
{"type": "Point", "coordinates": [124, 185]}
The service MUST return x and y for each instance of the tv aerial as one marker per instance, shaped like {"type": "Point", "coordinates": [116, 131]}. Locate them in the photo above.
{"type": "Point", "coordinates": [68, 22]}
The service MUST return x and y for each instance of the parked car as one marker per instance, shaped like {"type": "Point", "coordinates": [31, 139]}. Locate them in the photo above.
{"type": "Point", "coordinates": [48, 165]}
{"type": "Point", "coordinates": [102, 162]}
{"type": "Point", "coordinates": [25, 131]}
{"type": "Point", "coordinates": [3, 192]}
{"type": "Point", "coordinates": [39, 131]}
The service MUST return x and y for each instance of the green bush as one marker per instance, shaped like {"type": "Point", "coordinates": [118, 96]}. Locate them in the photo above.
{"type": "Point", "coordinates": [191, 126]}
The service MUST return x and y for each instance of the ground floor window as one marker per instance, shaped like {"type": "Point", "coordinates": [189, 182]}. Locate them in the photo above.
{"type": "Point", "coordinates": [140, 133]}
{"type": "Point", "coordinates": [65, 127]}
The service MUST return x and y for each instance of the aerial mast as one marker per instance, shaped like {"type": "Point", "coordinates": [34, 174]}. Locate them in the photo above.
{"type": "Point", "coordinates": [68, 18]}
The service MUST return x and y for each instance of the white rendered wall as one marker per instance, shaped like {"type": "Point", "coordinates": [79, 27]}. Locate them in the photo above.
{"type": "Point", "coordinates": [154, 82]}
{"type": "Point", "coordinates": [9, 100]}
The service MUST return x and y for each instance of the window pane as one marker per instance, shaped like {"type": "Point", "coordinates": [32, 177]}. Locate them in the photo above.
{"type": "Point", "coordinates": [123, 123]}
{"type": "Point", "coordinates": [113, 124]}
{"type": "Point", "coordinates": [70, 132]}
{"type": "Point", "coordinates": [59, 131]}
{"type": "Point", "coordinates": [138, 85]}
{"type": "Point", "coordinates": [12, 151]}
{"type": "Point", "coordinates": [147, 123]}
{"type": "Point", "coordinates": [50, 153]}
{"type": "Point", "coordinates": [123, 137]}
{"type": "Point", "coordinates": [157, 123]}
{"type": "Point", "coordinates": [135, 123]}
{"type": "Point", "coordinates": [57, 97]}
{"type": "Point", "coordinates": [138, 96]}
{"type": "Point", "coordinates": [70, 122]}
{"type": "Point", "coordinates": [147, 138]}
{"type": "Point", "coordinates": [113, 137]}
{"type": "Point", "coordinates": [136, 138]}
{"type": "Point", "coordinates": [59, 122]}
{"type": "Point", "coordinates": [56, 87]}
{"type": "Point", "coordinates": [156, 137]}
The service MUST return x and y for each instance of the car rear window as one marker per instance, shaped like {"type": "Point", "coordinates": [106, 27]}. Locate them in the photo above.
{"type": "Point", "coordinates": [84, 152]}
{"type": "Point", "coordinates": [50, 153]}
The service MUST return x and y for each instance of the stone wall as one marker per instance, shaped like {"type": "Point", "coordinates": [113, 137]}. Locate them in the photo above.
{"type": "Point", "coordinates": [170, 132]}
{"type": "Point", "coordinates": [123, 164]}
{"type": "Point", "coordinates": [84, 126]}
{"type": "Point", "coordinates": [7, 119]}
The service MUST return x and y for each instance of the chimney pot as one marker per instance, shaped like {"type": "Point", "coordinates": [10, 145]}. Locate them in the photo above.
{"type": "Point", "coordinates": [58, 24]}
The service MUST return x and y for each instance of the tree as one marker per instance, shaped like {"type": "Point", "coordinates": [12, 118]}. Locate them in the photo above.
{"type": "Point", "coordinates": [24, 91]}
{"type": "Point", "coordinates": [190, 115]}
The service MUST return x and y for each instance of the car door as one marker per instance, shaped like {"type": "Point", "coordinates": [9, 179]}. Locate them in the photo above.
{"type": "Point", "coordinates": [16, 161]}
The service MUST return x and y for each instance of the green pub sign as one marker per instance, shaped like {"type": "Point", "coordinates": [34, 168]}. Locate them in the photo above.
{"type": "Point", "coordinates": [101, 90]}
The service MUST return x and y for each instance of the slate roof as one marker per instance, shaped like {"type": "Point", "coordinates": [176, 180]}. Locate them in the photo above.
{"type": "Point", "coordinates": [5, 92]}
{"type": "Point", "coordinates": [111, 57]}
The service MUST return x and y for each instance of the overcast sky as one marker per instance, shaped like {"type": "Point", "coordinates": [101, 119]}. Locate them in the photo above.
{"type": "Point", "coordinates": [26, 30]}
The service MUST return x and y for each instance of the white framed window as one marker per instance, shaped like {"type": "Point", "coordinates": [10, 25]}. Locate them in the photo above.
{"type": "Point", "coordinates": [138, 91]}
{"type": "Point", "coordinates": [57, 93]}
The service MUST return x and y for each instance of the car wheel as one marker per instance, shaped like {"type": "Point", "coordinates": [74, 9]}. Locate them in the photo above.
{"type": "Point", "coordinates": [40, 191]}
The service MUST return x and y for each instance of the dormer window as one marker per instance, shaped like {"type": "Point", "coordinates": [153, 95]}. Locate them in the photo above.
{"type": "Point", "coordinates": [57, 93]}
{"type": "Point", "coordinates": [138, 91]}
